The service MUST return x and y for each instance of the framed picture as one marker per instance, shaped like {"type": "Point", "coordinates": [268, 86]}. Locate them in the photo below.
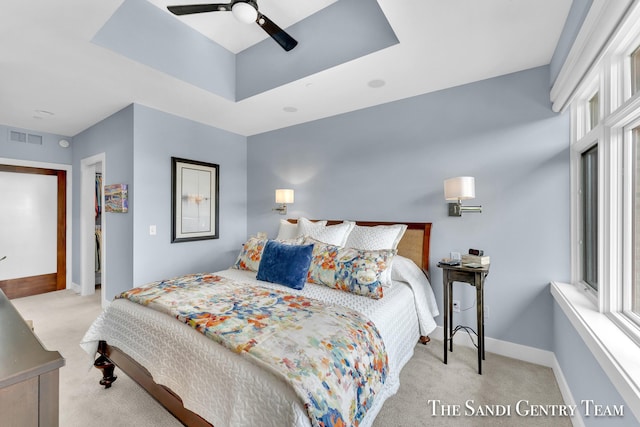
{"type": "Point", "coordinates": [194, 200]}
{"type": "Point", "coordinates": [116, 198]}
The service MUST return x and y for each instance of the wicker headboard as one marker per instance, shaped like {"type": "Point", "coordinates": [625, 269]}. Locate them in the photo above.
{"type": "Point", "coordinates": [414, 244]}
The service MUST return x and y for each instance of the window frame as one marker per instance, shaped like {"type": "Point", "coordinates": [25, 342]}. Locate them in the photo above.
{"type": "Point", "coordinates": [593, 117]}
{"type": "Point", "coordinates": [600, 56]}
{"type": "Point", "coordinates": [619, 115]}
{"type": "Point", "coordinates": [593, 288]}
{"type": "Point", "coordinates": [629, 69]}
{"type": "Point", "coordinates": [583, 138]}
{"type": "Point", "coordinates": [622, 311]}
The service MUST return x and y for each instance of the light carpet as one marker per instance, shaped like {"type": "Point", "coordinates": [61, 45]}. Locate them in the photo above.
{"type": "Point", "coordinates": [61, 318]}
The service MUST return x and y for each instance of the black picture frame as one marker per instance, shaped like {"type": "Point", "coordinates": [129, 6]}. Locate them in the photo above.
{"type": "Point", "coordinates": [195, 188]}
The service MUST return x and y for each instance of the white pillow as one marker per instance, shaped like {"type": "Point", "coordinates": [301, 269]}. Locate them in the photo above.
{"type": "Point", "coordinates": [305, 226]}
{"type": "Point", "coordinates": [330, 234]}
{"type": "Point", "coordinates": [287, 230]}
{"type": "Point", "coordinates": [377, 237]}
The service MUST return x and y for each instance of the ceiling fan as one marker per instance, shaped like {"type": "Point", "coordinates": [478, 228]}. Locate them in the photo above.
{"type": "Point", "coordinates": [245, 11]}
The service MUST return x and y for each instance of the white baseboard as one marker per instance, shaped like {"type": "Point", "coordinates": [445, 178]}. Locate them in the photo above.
{"type": "Point", "coordinates": [504, 348]}
{"type": "Point", "coordinates": [576, 419]}
{"type": "Point", "coordinates": [75, 287]}
{"type": "Point", "coordinates": [524, 353]}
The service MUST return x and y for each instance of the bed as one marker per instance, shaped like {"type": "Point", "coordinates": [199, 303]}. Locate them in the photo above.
{"type": "Point", "coordinates": [202, 383]}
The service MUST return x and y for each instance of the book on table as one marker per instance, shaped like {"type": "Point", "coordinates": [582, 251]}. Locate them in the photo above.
{"type": "Point", "coordinates": [476, 259]}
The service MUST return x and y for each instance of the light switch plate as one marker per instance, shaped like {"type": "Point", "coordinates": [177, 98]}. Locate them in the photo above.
{"type": "Point", "coordinates": [152, 230]}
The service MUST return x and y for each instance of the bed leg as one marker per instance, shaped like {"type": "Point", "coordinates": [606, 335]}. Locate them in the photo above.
{"type": "Point", "coordinates": [106, 366]}
{"type": "Point", "coordinates": [424, 339]}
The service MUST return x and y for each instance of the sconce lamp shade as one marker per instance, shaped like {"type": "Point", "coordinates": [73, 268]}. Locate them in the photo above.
{"type": "Point", "coordinates": [284, 195]}
{"type": "Point", "coordinates": [460, 188]}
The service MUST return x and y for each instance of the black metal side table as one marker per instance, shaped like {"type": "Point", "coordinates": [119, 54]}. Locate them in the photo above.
{"type": "Point", "coordinates": [474, 277]}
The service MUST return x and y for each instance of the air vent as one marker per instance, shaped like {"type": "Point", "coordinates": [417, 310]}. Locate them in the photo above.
{"type": "Point", "coordinates": [34, 139]}
{"type": "Point", "coordinates": [17, 136]}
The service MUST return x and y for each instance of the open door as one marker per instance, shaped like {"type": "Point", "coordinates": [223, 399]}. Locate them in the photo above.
{"type": "Point", "coordinates": [33, 230]}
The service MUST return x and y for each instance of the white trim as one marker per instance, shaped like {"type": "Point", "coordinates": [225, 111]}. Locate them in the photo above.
{"type": "Point", "coordinates": [503, 348]}
{"type": "Point", "coordinates": [526, 354]}
{"type": "Point", "coordinates": [617, 354]}
{"type": "Point", "coordinates": [602, 19]}
{"type": "Point", "coordinates": [87, 227]}
{"type": "Point", "coordinates": [68, 170]}
{"type": "Point", "coordinates": [565, 391]}
{"type": "Point", "coordinates": [75, 287]}
{"type": "Point", "coordinates": [589, 140]}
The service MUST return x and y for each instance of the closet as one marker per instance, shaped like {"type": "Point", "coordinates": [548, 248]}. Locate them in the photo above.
{"type": "Point", "coordinates": [93, 232]}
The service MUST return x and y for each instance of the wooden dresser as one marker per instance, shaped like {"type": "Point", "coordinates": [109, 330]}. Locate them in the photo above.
{"type": "Point", "coordinates": [28, 373]}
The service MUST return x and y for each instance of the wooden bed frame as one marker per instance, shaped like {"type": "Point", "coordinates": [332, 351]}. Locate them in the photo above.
{"type": "Point", "coordinates": [414, 245]}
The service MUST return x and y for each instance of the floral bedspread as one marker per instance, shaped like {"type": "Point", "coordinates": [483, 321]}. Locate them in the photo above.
{"type": "Point", "coordinates": [333, 356]}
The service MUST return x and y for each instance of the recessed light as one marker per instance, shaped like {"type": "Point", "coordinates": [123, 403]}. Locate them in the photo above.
{"type": "Point", "coordinates": [376, 83]}
{"type": "Point", "coordinates": [290, 109]}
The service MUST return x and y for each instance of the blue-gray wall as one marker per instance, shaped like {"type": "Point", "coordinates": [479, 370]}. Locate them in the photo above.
{"type": "Point", "coordinates": [148, 35]}
{"type": "Point", "coordinates": [339, 33]}
{"type": "Point", "coordinates": [158, 137]}
{"type": "Point", "coordinates": [114, 137]}
{"type": "Point", "coordinates": [138, 143]}
{"type": "Point", "coordinates": [585, 376]}
{"type": "Point", "coordinates": [49, 152]}
{"type": "Point", "coordinates": [389, 162]}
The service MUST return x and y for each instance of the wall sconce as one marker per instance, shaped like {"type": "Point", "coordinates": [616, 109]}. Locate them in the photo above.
{"type": "Point", "coordinates": [458, 189]}
{"type": "Point", "coordinates": [283, 196]}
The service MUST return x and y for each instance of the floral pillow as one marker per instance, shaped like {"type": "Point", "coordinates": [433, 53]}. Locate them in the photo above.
{"type": "Point", "coordinates": [322, 269]}
{"type": "Point", "coordinates": [251, 253]}
{"type": "Point", "coordinates": [357, 271]}
{"type": "Point", "coordinates": [362, 272]}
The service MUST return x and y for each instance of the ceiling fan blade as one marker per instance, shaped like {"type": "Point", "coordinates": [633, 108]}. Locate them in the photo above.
{"type": "Point", "coordinates": [188, 9]}
{"type": "Point", "coordinates": [278, 34]}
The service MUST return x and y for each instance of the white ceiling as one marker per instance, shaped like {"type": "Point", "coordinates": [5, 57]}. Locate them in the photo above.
{"type": "Point", "coordinates": [53, 79]}
{"type": "Point", "coordinates": [235, 36]}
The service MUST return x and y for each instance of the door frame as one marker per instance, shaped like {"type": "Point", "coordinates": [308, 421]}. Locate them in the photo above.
{"type": "Point", "coordinates": [69, 204]}
{"type": "Point", "coordinates": [88, 168]}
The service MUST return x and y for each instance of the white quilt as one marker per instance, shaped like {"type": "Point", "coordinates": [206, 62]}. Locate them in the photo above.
{"type": "Point", "coordinates": [227, 389]}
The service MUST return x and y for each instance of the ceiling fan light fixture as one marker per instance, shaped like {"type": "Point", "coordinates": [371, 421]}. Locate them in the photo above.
{"type": "Point", "coordinates": [244, 12]}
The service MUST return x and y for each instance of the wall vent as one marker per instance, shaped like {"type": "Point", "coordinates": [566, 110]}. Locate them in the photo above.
{"type": "Point", "coordinates": [34, 139]}
{"type": "Point", "coordinates": [17, 136]}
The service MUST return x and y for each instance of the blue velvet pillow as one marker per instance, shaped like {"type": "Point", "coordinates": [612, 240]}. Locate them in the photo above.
{"type": "Point", "coordinates": [285, 264]}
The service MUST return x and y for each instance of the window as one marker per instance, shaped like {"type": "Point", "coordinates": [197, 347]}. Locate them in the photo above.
{"type": "Point", "coordinates": [594, 110]}
{"type": "Point", "coordinates": [635, 191]}
{"type": "Point", "coordinates": [603, 302]}
{"type": "Point", "coordinates": [589, 238]}
{"type": "Point", "coordinates": [635, 70]}
{"type": "Point", "coordinates": [606, 184]}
